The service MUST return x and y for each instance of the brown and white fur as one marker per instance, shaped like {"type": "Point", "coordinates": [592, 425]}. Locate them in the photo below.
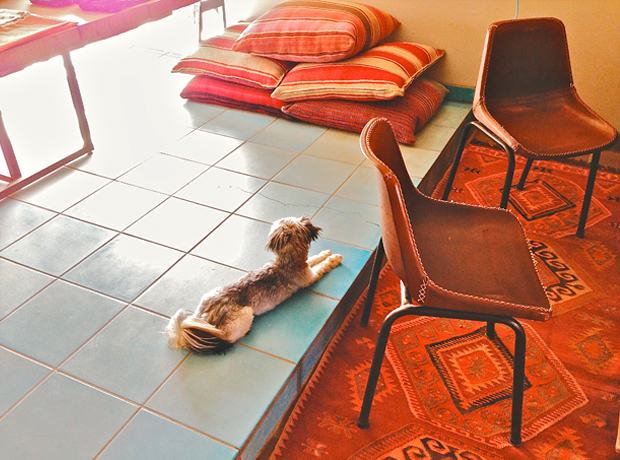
{"type": "Point", "coordinates": [225, 314]}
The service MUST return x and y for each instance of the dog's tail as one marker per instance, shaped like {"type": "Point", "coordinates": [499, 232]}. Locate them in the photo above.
{"type": "Point", "coordinates": [186, 331]}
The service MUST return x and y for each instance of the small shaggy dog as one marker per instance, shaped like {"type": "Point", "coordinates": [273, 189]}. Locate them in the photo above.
{"type": "Point", "coordinates": [225, 314]}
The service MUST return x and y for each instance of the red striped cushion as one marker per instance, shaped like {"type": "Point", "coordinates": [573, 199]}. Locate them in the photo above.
{"type": "Point", "coordinates": [383, 72]}
{"type": "Point", "coordinates": [216, 58]}
{"type": "Point", "coordinates": [407, 114]}
{"type": "Point", "coordinates": [214, 91]}
{"type": "Point", "coordinates": [316, 31]}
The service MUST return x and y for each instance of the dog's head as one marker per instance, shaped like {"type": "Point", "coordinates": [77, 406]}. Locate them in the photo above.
{"type": "Point", "coordinates": [291, 234]}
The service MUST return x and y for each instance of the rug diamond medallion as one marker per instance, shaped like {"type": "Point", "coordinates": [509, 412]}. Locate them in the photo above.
{"type": "Point", "coordinates": [458, 379]}
{"type": "Point", "coordinates": [550, 203]}
{"type": "Point", "coordinates": [476, 371]}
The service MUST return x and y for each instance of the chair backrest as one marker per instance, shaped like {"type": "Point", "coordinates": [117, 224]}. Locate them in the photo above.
{"type": "Point", "coordinates": [523, 57]}
{"type": "Point", "coordinates": [396, 190]}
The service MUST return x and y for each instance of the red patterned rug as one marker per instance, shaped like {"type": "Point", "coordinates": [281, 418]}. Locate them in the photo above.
{"type": "Point", "coordinates": [444, 389]}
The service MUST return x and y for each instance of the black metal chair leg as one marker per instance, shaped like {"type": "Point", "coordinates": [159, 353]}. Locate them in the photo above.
{"type": "Point", "coordinates": [377, 360]}
{"type": "Point", "coordinates": [585, 207]}
{"type": "Point", "coordinates": [372, 284]}
{"type": "Point", "coordinates": [457, 159]}
{"type": "Point", "coordinates": [491, 330]}
{"type": "Point", "coordinates": [517, 382]}
{"type": "Point", "coordinates": [524, 174]}
{"type": "Point", "coordinates": [508, 180]}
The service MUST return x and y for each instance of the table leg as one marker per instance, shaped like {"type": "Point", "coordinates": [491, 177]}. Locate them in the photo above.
{"type": "Point", "coordinates": [15, 181]}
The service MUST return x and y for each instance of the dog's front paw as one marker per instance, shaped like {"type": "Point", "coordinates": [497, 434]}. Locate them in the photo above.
{"type": "Point", "coordinates": [334, 260]}
{"type": "Point", "coordinates": [320, 257]}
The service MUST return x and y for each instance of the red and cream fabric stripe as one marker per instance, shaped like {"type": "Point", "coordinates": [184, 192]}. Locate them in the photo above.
{"type": "Point", "coordinates": [381, 73]}
{"type": "Point", "coordinates": [316, 31]}
{"type": "Point", "coordinates": [215, 58]}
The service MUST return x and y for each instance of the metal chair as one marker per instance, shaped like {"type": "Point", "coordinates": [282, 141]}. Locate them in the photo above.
{"type": "Point", "coordinates": [526, 101]}
{"type": "Point", "coordinates": [458, 261]}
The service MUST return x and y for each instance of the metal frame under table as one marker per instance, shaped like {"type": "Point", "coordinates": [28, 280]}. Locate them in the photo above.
{"type": "Point", "coordinates": [91, 27]}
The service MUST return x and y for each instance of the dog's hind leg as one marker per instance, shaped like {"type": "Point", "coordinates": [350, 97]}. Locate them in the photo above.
{"type": "Point", "coordinates": [320, 257]}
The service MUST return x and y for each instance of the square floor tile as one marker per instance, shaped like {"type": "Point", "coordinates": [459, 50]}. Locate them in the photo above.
{"type": "Point", "coordinates": [350, 222]}
{"type": "Point", "coordinates": [275, 201]}
{"type": "Point", "coordinates": [111, 161]}
{"type": "Point", "coordinates": [17, 285]}
{"type": "Point", "coordinates": [198, 114]}
{"type": "Point", "coordinates": [129, 357]}
{"type": "Point", "coordinates": [315, 173]}
{"type": "Point", "coordinates": [240, 385]}
{"type": "Point", "coordinates": [238, 124]}
{"type": "Point", "coordinates": [18, 219]}
{"type": "Point", "coordinates": [433, 137]}
{"type": "Point", "coordinates": [450, 115]}
{"type": "Point", "coordinates": [337, 145]}
{"type": "Point", "coordinates": [184, 285]}
{"type": "Point", "coordinates": [57, 322]}
{"type": "Point", "coordinates": [61, 190]}
{"type": "Point", "coordinates": [163, 173]}
{"type": "Point", "coordinates": [116, 205]}
{"type": "Point", "coordinates": [176, 118]}
{"type": "Point", "coordinates": [58, 245]}
{"type": "Point", "coordinates": [238, 242]}
{"type": "Point", "coordinates": [62, 420]}
{"type": "Point", "coordinates": [177, 223]}
{"type": "Point", "coordinates": [337, 282]}
{"type": "Point", "coordinates": [258, 160]}
{"type": "Point", "coordinates": [289, 329]}
{"type": "Point", "coordinates": [295, 136]}
{"type": "Point", "coordinates": [221, 189]}
{"type": "Point", "coordinates": [361, 186]}
{"type": "Point", "coordinates": [418, 161]}
{"type": "Point", "coordinates": [203, 147]}
{"type": "Point", "coordinates": [19, 376]}
{"type": "Point", "coordinates": [124, 267]}
{"type": "Point", "coordinates": [151, 437]}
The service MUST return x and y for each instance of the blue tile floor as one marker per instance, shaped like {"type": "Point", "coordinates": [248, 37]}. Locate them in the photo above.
{"type": "Point", "coordinates": [176, 199]}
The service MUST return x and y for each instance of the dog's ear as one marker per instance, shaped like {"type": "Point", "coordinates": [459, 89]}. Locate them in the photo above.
{"type": "Point", "coordinates": [313, 230]}
{"type": "Point", "coordinates": [278, 238]}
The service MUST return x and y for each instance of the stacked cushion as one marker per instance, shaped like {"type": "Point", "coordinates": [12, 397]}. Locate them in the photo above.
{"type": "Point", "coordinates": [211, 90]}
{"type": "Point", "coordinates": [316, 31]}
{"type": "Point", "coordinates": [215, 58]}
{"type": "Point", "coordinates": [318, 61]}
{"type": "Point", "coordinates": [384, 72]}
{"type": "Point", "coordinates": [407, 114]}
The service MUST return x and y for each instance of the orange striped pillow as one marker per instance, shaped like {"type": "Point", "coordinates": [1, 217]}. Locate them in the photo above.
{"type": "Point", "coordinates": [381, 73]}
{"type": "Point", "coordinates": [407, 114]}
{"type": "Point", "coordinates": [209, 90]}
{"type": "Point", "coordinates": [215, 58]}
{"type": "Point", "coordinates": [316, 31]}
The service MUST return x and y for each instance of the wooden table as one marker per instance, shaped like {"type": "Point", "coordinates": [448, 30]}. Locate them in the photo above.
{"type": "Point", "coordinates": [91, 27]}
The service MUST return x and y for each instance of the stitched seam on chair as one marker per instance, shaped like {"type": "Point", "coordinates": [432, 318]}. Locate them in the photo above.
{"type": "Point", "coordinates": [400, 194]}
{"type": "Point", "coordinates": [500, 302]}
{"type": "Point", "coordinates": [422, 290]}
